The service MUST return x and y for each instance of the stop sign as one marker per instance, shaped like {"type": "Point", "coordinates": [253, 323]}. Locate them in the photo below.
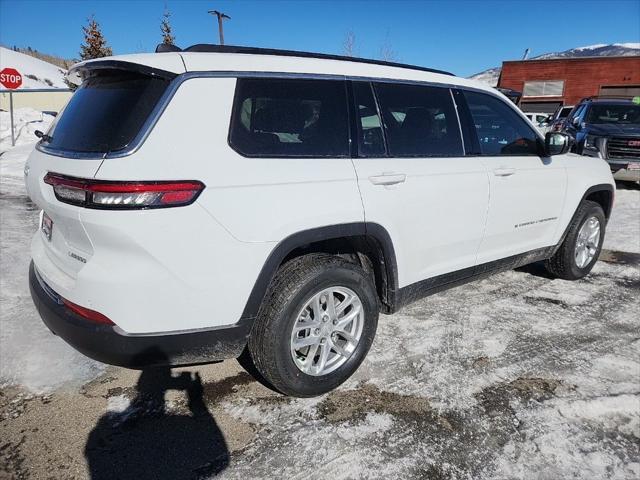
{"type": "Point", "coordinates": [10, 78]}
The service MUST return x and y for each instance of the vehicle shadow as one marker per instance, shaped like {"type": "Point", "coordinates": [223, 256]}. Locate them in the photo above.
{"type": "Point", "coordinates": [622, 185]}
{"type": "Point", "coordinates": [146, 441]}
{"type": "Point", "coordinates": [536, 269]}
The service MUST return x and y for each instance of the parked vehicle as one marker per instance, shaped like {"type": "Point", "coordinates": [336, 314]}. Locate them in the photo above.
{"type": "Point", "coordinates": [224, 202]}
{"type": "Point", "coordinates": [609, 129]}
{"type": "Point", "coordinates": [558, 118]}
{"type": "Point", "coordinates": [540, 120]}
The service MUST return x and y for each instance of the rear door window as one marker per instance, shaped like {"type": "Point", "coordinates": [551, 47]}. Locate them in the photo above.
{"type": "Point", "coordinates": [500, 130]}
{"type": "Point", "coordinates": [107, 112]}
{"type": "Point", "coordinates": [290, 118]}
{"type": "Point", "coordinates": [420, 121]}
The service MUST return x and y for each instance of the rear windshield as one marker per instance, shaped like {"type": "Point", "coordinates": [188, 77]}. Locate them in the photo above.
{"type": "Point", "coordinates": [564, 112]}
{"type": "Point", "coordinates": [106, 112]}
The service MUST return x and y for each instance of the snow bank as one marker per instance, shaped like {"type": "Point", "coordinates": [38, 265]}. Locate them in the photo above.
{"type": "Point", "coordinates": [26, 122]}
{"type": "Point", "coordinates": [35, 73]}
{"type": "Point", "coordinates": [30, 355]}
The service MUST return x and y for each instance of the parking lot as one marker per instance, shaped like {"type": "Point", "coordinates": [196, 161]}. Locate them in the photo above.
{"type": "Point", "coordinates": [515, 376]}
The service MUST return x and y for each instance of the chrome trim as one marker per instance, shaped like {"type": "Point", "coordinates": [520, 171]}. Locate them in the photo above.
{"type": "Point", "coordinates": [174, 84]}
{"type": "Point", "coordinates": [455, 106]}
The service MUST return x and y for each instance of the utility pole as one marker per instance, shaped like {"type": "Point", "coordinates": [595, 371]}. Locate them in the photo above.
{"type": "Point", "coordinates": [221, 16]}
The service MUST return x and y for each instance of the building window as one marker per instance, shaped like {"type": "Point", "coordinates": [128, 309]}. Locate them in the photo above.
{"type": "Point", "coordinates": [543, 88]}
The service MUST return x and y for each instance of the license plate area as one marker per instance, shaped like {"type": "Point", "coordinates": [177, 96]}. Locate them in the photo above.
{"type": "Point", "coordinates": [633, 166]}
{"type": "Point", "coordinates": [47, 226]}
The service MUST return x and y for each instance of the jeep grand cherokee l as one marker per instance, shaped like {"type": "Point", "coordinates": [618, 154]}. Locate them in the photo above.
{"type": "Point", "coordinates": [224, 202]}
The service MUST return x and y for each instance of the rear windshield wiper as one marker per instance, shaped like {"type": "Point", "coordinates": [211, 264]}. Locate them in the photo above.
{"type": "Point", "coordinates": [43, 136]}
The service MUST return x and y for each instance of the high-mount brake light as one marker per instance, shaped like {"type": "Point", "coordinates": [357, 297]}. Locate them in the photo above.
{"type": "Point", "coordinates": [116, 195]}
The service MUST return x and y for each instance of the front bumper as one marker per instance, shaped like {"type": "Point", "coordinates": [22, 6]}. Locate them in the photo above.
{"type": "Point", "coordinates": [626, 174]}
{"type": "Point", "coordinates": [108, 344]}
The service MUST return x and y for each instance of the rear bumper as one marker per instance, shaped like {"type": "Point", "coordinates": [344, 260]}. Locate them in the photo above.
{"type": "Point", "coordinates": [108, 344]}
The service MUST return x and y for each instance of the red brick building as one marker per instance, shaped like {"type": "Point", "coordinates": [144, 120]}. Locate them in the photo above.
{"type": "Point", "coordinates": [547, 84]}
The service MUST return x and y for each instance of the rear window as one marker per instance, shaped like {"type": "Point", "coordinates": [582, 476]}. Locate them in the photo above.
{"type": "Point", "coordinates": [290, 118]}
{"type": "Point", "coordinates": [419, 121]}
{"type": "Point", "coordinates": [106, 112]}
{"type": "Point", "coordinates": [564, 112]}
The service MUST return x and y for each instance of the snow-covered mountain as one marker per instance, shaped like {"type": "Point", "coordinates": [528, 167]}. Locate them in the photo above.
{"type": "Point", "coordinates": [491, 75]}
{"type": "Point", "coordinates": [35, 73]}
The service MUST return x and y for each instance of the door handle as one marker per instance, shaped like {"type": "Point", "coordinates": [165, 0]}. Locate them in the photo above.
{"type": "Point", "coordinates": [504, 172]}
{"type": "Point", "coordinates": [388, 178]}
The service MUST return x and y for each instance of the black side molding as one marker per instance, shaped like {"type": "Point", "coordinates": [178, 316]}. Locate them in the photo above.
{"type": "Point", "coordinates": [603, 188]}
{"type": "Point", "coordinates": [372, 231]}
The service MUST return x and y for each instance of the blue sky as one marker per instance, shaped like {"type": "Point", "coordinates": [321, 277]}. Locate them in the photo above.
{"type": "Point", "coordinates": [463, 37]}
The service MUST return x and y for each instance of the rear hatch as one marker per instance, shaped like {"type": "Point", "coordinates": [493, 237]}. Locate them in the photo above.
{"type": "Point", "coordinates": [107, 116]}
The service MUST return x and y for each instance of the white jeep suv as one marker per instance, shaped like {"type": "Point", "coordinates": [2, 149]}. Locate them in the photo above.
{"type": "Point", "coordinates": [220, 202]}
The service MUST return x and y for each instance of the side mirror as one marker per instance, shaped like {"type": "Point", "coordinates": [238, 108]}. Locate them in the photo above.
{"type": "Point", "coordinates": [556, 143]}
{"type": "Point", "coordinates": [39, 134]}
{"type": "Point", "coordinates": [575, 121]}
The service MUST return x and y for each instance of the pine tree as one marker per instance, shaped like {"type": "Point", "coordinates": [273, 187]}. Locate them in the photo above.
{"type": "Point", "coordinates": [95, 45]}
{"type": "Point", "coordinates": [165, 27]}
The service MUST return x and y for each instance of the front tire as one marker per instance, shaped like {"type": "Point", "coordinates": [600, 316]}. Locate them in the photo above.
{"type": "Point", "coordinates": [316, 325]}
{"type": "Point", "coordinates": [581, 247]}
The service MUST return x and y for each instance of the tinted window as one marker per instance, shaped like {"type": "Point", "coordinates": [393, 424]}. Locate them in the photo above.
{"type": "Point", "coordinates": [419, 121]}
{"type": "Point", "coordinates": [500, 130]}
{"type": "Point", "coordinates": [106, 112]}
{"type": "Point", "coordinates": [284, 118]}
{"type": "Point", "coordinates": [370, 136]}
{"type": "Point", "coordinates": [565, 111]}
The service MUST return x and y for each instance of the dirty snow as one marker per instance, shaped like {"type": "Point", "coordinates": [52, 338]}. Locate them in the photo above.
{"type": "Point", "coordinates": [36, 73]}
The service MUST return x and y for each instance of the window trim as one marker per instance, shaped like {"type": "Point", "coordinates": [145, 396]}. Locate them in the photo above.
{"type": "Point", "coordinates": [357, 127]}
{"type": "Point", "coordinates": [179, 79]}
{"type": "Point", "coordinates": [235, 109]}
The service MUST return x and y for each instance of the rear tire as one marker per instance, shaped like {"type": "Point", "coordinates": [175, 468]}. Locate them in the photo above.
{"type": "Point", "coordinates": [293, 301]}
{"type": "Point", "coordinates": [578, 253]}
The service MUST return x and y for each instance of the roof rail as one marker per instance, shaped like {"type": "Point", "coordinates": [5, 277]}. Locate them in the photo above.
{"type": "Point", "coordinates": [205, 47]}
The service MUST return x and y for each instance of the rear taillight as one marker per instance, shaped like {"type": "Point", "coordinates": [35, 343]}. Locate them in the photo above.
{"type": "Point", "coordinates": [86, 313]}
{"type": "Point", "coordinates": [117, 195]}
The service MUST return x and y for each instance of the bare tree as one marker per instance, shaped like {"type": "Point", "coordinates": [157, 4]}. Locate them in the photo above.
{"type": "Point", "coordinates": [349, 44]}
{"type": "Point", "coordinates": [165, 28]}
{"type": "Point", "coordinates": [387, 52]}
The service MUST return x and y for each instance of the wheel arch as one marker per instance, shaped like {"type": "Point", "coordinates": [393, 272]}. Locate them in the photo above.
{"type": "Point", "coordinates": [602, 194]}
{"type": "Point", "coordinates": [365, 242]}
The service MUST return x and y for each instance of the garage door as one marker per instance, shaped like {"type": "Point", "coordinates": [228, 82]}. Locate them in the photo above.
{"type": "Point", "coordinates": [629, 91]}
{"type": "Point", "coordinates": [539, 107]}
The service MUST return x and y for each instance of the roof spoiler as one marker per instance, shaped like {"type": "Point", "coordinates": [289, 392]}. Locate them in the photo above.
{"type": "Point", "coordinates": [80, 71]}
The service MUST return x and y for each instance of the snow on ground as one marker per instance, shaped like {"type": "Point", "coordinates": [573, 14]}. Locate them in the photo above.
{"type": "Point", "coordinates": [623, 230]}
{"type": "Point", "coordinates": [29, 354]}
{"type": "Point", "coordinates": [25, 122]}
{"type": "Point", "coordinates": [35, 73]}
